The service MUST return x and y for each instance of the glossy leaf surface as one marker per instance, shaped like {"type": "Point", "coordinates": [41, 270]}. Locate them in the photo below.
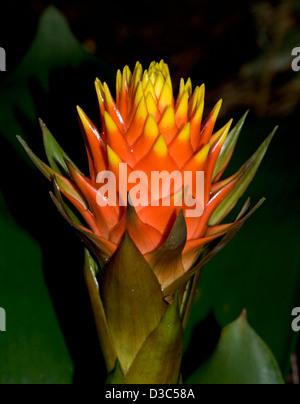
{"type": "Point", "coordinates": [241, 357]}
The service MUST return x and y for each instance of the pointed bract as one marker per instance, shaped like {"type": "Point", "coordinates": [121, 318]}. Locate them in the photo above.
{"type": "Point", "coordinates": [228, 148]}
{"type": "Point", "coordinates": [252, 166]}
{"type": "Point", "coordinates": [164, 342]}
{"type": "Point", "coordinates": [166, 262]}
{"type": "Point", "coordinates": [128, 286]}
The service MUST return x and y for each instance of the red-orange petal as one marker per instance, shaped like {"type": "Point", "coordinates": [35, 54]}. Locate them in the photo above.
{"type": "Point", "coordinates": [193, 248]}
{"type": "Point", "coordinates": [106, 216]}
{"type": "Point", "coordinates": [110, 106]}
{"type": "Point", "coordinates": [181, 149]}
{"type": "Point", "coordinates": [94, 141]}
{"type": "Point", "coordinates": [138, 122]}
{"type": "Point", "coordinates": [116, 140]}
{"type": "Point", "coordinates": [145, 142]}
{"type": "Point", "coordinates": [158, 159]}
{"type": "Point", "coordinates": [211, 206]}
{"type": "Point", "coordinates": [208, 125]}
{"type": "Point", "coordinates": [152, 107]}
{"type": "Point", "coordinates": [181, 110]}
{"type": "Point", "coordinates": [196, 121]}
{"type": "Point", "coordinates": [146, 237]}
{"type": "Point", "coordinates": [160, 217]}
{"type": "Point", "coordinates": [167, 125]}
{"type": "Point", "coordinates": [117, 232]}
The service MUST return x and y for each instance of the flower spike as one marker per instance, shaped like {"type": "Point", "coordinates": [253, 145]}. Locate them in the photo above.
{"type": "Point", "coordinates": [151, 212]}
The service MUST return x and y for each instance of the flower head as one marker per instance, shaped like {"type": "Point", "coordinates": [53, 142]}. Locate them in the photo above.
{"type": "Point", "coordinates": [151, 131]}
{"type": "Point", "coordinates": [143, 230]}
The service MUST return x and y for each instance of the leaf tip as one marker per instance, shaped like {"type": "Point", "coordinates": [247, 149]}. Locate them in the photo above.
{"type": "Point", "coordinates": [42, 124]}
{"type": "Point", "coordinates": [244, 315]}
{"type": "Point", "coordinates": [19, 138]}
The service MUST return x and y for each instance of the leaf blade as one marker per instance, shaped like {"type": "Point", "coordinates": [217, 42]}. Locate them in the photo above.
{"type": "Point", "coordinates": [49, 173]}
{"type": "Point", "coordinates": [250, 167]}
{"type": "Point", "coordinates": [241, 357]}
{"type": "Point", "coordinates": [228, 147]}
{"type": "Point", "coordinates": [55, 154]}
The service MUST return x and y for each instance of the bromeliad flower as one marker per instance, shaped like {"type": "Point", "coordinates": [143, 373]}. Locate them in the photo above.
{"type": "Point", "coordinates": [151, 213]}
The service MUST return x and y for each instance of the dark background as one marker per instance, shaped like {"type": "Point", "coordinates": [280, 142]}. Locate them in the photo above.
{"type": "Point", "coordinates": [240, 48]}
{"type": "Point", "coordinates": [242, 51]}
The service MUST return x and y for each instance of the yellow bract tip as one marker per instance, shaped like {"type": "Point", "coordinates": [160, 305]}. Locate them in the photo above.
{"type": "Point", "coordinates": [158, 85]}
{"type": "Point", "coordinates": [181, 87]}
{"type": "Point", "coordinates": [151, 105]}
{"type": "Point", "coordinates": [181, 113]}
{"type": "Point", "coordinates": [151, 129]}
{"type": "Point", "coordinates": [222, 133]}
{"type": "Point", "coordinates": [185, 134]}
{"type": "Point", "coordinates": [217, 108]}
{"type": "Point", "coordinates": [126, 78]}
{"type": "Point", "coordinates": [83, 117]}
{"type": "Point", "coordinates": [160, 148]}
{"type": "Point", "coordinates": [113, 159]}
{"type": "Point", "coordinates": [108, 97]}
{"type": "Point", "coordinates": [119, 81]}
{"type": "Point", "coordinates": [225, 131]}
{"type": "Point", "coordinates": [110, 123]}
{"type": "Point", "coordinates": [168, 120]}
{"type": "Point", "coordinates": [188, 87]}
{"type": "Point", "coordinates": [137, 75]}
{"type": "Point", "coordinates": [197, 99]}
{"type": "Point", "coordinates": [201, 156]}
{"type": "Point", "coordinates": [80, 111]}
{"type": "Point", "coordinates": [98, 81]}
{"type": "Point", "coordinates": [199, 112]}
{"type": "Point", "coordinates": [166, 96]}
{"type": "Point", "coordinates": [99, 90]}
{"type": "Point", "coordinates": [141, 112]}
{"type": "Point", "coordinates": [138, 95]}
{"type": "Point", "coordinates": [202, 91]}
{"type": "Point", "coordinates": [149, 89]}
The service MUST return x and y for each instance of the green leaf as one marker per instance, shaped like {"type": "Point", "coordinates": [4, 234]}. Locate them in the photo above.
{"type": "Point", "coordinates": [159, 359]}
{"type": "Point", "coordinates": [68, 211]}
{"type": "Point", "coordinates": [228, 147]}
{"type": "Point", "coordinates": [241, 357]}
{"type": "Point", "coordinates": [64, 184]}
{"type": "Point", "coordinates": [133, 301]}
{"type": "Point", "coordinates": [250, 168]}
{"type": "Point", "coordinates": [90, 269]}
{"type": "Point", "coordinates": [55, 154]}
{"type": "Point", "coordinates": [33, 349]}
{"type": "Point", "coordinates": [116, 376]}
